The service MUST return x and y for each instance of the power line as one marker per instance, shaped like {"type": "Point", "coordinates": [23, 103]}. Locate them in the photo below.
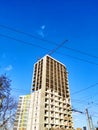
{"type": "Point", "coordinates": [22, 41]}
{"type": "Point", "coordinates": [45, 40]}
{"type": "Point", "coordinates": [80, 59]}
{"type": "Point", "coordinates": [28, 34]}
{"type": "Point", "coordinates": [32, 44]}
{"type": "Point", "coordinates": [81, 52]}
{"type": "Point", "coordinates": [83, 102]}
{"type": "Point", "coordinates": [85, 89]}
{"type": "Point", "coordinates": [96, 94]}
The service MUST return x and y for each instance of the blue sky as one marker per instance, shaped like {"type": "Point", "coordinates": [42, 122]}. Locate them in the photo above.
{"type": "Point", "coordinates": [55, 21]}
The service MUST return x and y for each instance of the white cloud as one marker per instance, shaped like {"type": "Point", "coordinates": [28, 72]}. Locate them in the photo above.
{"type": "Point", "coordinates": [41, 31]}
{"type": "Point", "coordinates": [9, 68]}
{"type": "Point", "coordinates": [43, 27]}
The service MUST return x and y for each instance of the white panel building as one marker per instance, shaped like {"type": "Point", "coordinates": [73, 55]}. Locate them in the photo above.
{"type": "Point", "coordinates": [48, 107]}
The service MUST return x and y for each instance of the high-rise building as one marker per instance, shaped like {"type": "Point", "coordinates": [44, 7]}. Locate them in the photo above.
{"type": "Point", "coordinates": [48, 107]}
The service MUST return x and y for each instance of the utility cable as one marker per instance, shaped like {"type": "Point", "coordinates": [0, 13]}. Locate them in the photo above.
{"type": "Point", "coordinates": [28, 34]}
{"type": "Point", "coordinates": [22, 41]}
{"type": "Point", "coordinates": [85, 89]}
{"type": "Point", "coordinates": [81, 52]}
{"type": "Point", "coordinates": [80, 59]}
{"type": "Point", "coordinates": [45, 40]}
{"type": "Point", "coordinates": [32, 44]}
{"type": "Point", "coordinates": [86, 98]}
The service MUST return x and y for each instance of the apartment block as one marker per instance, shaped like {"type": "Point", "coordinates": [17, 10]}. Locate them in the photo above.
{"type": "Point", "coordinates": [21, 119]}
{"type": "Point", "coordinates": [48, 106]}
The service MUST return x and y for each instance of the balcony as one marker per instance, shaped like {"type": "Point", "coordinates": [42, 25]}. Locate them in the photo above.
{"type": "Point", "coordinates": [46, 114]}
{"type": "Point", "coordinates": [66, 118]}
{"type": "Point", "coordinates": [46, 107]}
{"type": "Point", "coordinates": [62, 116]}
{"type": "Point", "coordinates": [47, 101]}
{"type": "Point", "coordinates": [52, 122]}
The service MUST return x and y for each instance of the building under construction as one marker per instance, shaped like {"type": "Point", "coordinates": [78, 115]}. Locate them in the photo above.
{"type": "Point", "coordinates": [48, 107]}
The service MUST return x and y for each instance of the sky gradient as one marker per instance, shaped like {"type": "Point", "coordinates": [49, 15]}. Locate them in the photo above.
{"type": "Point", "coordinates": [29, 29]}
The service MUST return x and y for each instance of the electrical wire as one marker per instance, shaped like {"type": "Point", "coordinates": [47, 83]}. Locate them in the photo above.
{"type": "Point", "coordinates": [45, 40]}
{"type": "Point", "coordinates": [27, 34]}
{"type": "Point", "coordinates": [22, 41]}
{"type": "Point", "coordinates": [84, 101]}
{"type": "Point", "coordinates": [79, 59]}
{"type": "Point", "coordinates": [85, 89]}
{"type": "Point", "coordinates": [81, 52]}
{"type": "Point", "coordinates": [32, 44]}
